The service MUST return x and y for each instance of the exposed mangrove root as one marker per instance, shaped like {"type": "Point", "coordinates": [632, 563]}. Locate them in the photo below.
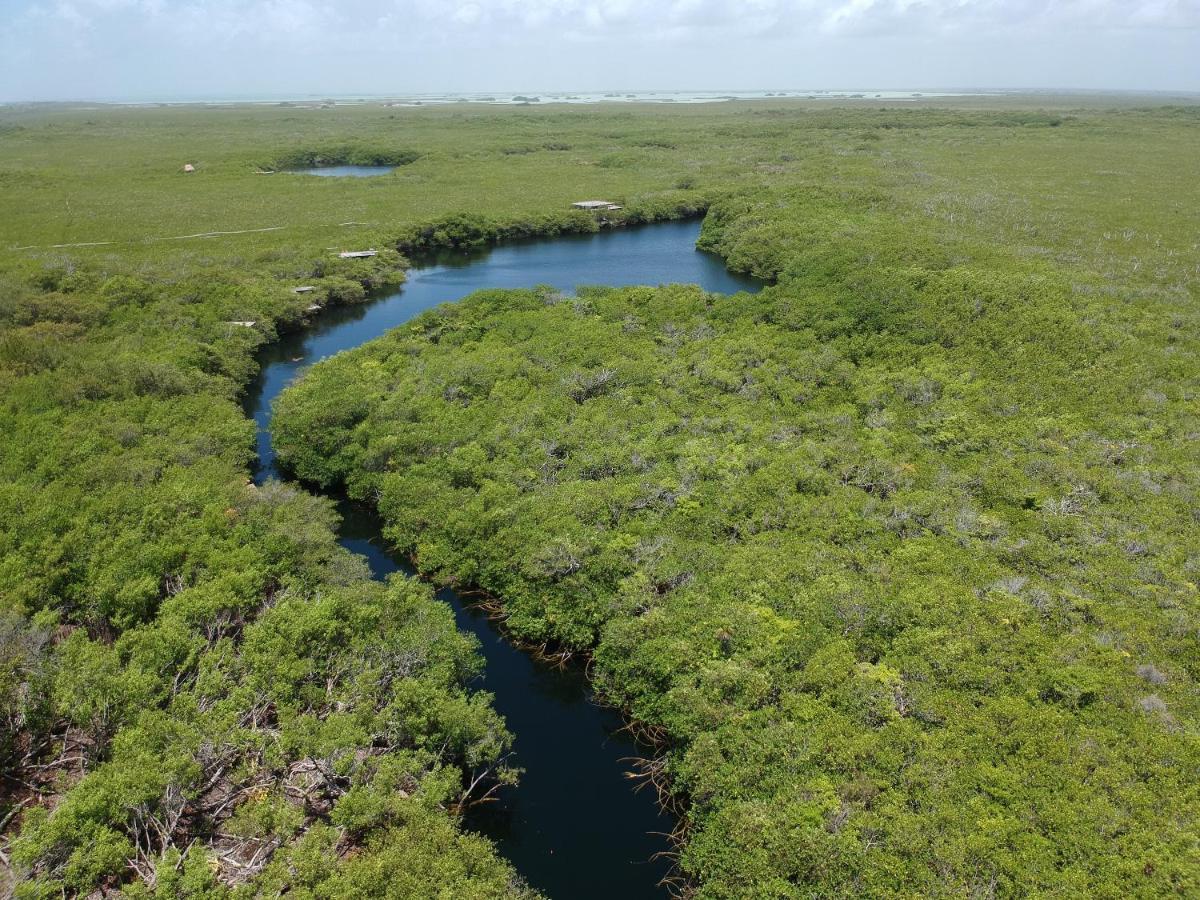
{"type": "Point", "coordinates": [676, 883]}
{"type": "Point", "coordinates": [677, 886]}
{"type": "Point", "coordinates": [548, 652]}
{"type": "Point", "coordinates": [653, 772]}
{"type": "Point", "coordinates": [646, 734]}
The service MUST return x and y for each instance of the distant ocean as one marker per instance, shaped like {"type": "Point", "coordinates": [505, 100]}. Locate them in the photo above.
{"type": "Point", "coordinates": [531, 97]}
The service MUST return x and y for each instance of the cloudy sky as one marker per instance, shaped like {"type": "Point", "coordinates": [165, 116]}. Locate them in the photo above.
{"type": "Point", "coordinates": [193, 49]}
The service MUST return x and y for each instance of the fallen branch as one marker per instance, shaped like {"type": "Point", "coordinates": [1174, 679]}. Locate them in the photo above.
{"type": "Point", "coordinates": [12, 813]}
{"type": "Point", "coordinates": [176, 237]}
{"type": "Point", "coordinates": [60, 246]}
{"type": "Point", "coordinates": [184, 237]}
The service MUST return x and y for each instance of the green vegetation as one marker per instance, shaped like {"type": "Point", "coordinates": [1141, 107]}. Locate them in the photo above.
{"type": "Point", "coordinates": [344, 156]}
{"type": "Point", "coordinates": [898, 557]}
{"type": "Point", "coordinates": [299, 720]}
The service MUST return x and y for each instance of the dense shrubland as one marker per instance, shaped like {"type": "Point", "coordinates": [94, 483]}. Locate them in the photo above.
{"type": "Point", "coordinates": [230, 694]}
{"type": "Point", "coordinates": [149, 734]}
{"type": "Point", "coordinates": [300, 718]}
{"type": "Point", "coordinates": [896, 556]}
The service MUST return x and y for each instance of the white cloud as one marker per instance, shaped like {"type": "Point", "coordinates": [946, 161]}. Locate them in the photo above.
{"type": "Point", "coordinates": [446, 44]}
{"type": "Point", "coordinates": [831, 15]}
{"type": "Point", "coordinates": [509, 18]}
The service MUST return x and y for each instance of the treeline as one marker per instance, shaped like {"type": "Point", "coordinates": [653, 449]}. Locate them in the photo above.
{"type": "Point", "coordinates": [344, 155]}
{"type": "Point", "coordinates": [462, 231]}
{"type": "Point", "coordinates": [896, 556]}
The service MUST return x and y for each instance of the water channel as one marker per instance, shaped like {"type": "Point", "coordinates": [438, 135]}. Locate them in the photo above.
{"type": "Point", "coordinates": [573, 827]}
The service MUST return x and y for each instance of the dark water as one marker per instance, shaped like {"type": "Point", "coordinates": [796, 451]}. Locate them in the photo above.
{"type": "Point", "coordinates": [573, 828]}
{"type": "Point", "coordinates": [344, 171]}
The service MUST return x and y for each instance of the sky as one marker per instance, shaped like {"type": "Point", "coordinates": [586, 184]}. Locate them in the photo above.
{"type": "Point", "coordinates": [272, 49]}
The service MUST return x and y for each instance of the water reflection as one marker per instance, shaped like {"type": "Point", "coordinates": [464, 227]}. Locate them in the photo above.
{"type": "Point", "coordinates": [344, 171]}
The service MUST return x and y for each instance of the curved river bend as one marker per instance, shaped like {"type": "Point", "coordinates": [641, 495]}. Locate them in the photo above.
{"type": "Point", "coordinates": [572, 827]}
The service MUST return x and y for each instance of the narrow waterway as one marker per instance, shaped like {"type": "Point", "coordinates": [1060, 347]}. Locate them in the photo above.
{"type": "Point", "coordinates": [573, 827]}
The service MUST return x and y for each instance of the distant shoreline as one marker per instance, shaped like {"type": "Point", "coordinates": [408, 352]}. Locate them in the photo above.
{"type": "Point", "coordinates": [418, 100]}
{"type": "Point", "coordinates": [508, 98]}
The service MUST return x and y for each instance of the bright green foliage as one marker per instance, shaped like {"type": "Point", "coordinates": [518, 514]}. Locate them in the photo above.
{"type": "Point", "coordinates": [349, 699]}
{"type": "Point", "coordinates": [899, 555]}
{"type": "Point", "coordinates": [140, 576]}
